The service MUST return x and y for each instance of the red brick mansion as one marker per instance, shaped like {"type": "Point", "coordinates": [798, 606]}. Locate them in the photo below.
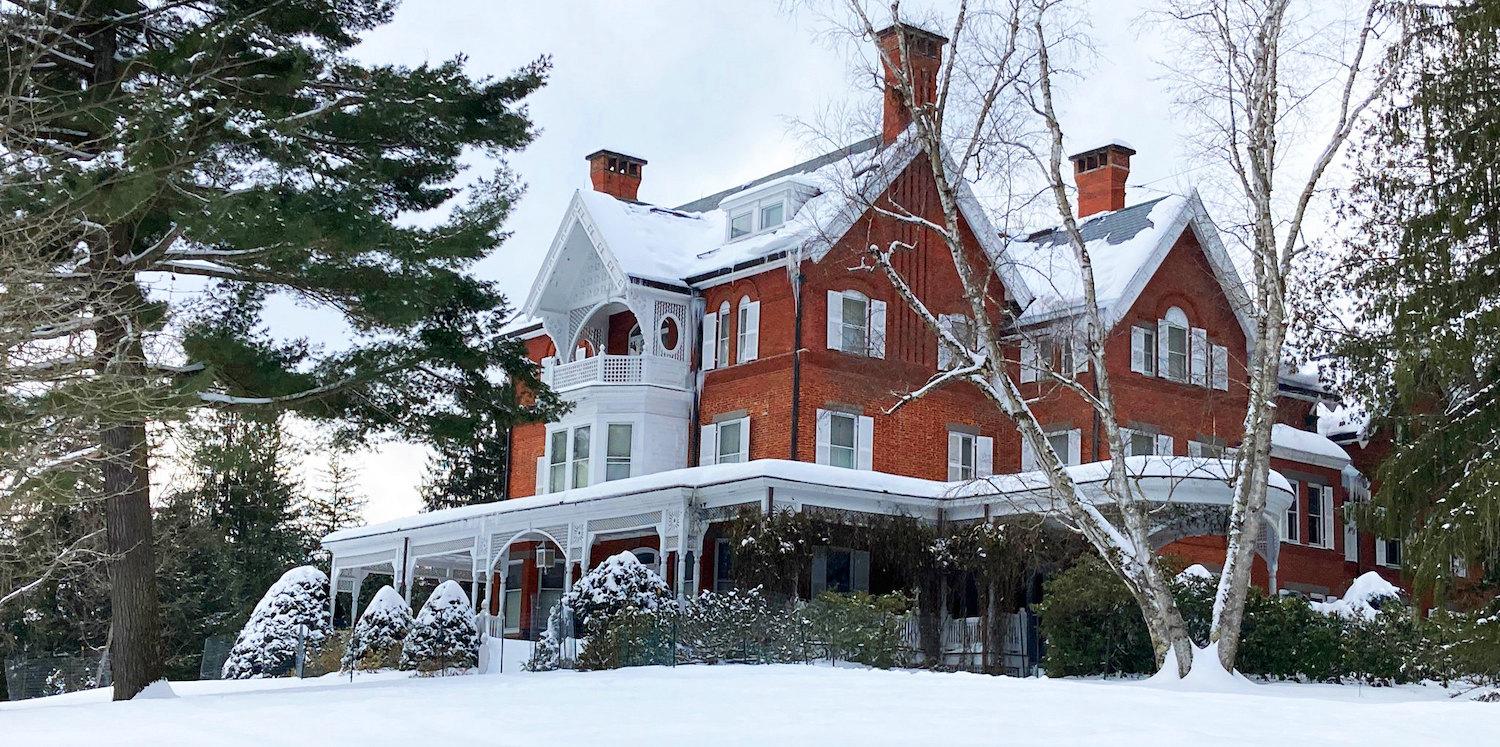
{"type": "Point", "coordinates": [723, 353]}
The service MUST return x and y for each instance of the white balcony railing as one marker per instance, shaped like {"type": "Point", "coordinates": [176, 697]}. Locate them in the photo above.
{"type": "Point", "coordinates": [616, 369]}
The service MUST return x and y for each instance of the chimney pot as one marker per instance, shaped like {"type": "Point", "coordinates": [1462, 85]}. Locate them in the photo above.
{"type": "Point", "coordinates": [926, 50]}
{"type": "Point", "coordinates": [1100, 174]}
{"type": "Point", "coordinates": [615, 174]}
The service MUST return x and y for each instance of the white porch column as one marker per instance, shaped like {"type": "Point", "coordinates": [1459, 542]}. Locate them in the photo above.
{"type": "Point", "coordinates": [359, 583]}
{"type": "Point", "coordinates": [333, 590]}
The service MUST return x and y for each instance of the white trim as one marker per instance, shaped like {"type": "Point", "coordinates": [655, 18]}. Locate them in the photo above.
{"type": "Point", "coordinates": [748, 336]}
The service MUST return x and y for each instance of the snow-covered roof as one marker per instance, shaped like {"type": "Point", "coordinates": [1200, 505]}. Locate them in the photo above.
{"type": "Point", "coordinates": [1306, 446]}
{"type": "Point", "coordinates": [1125, 248]}
{"type": "Point", "coordinates": [1345, 423]}
{"type": "Point", "coordinates": [1168, 468]}
{"type": "Point", "coordinates": [689, 244]}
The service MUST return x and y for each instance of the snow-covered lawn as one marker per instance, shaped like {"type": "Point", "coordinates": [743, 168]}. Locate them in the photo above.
{"type": "Point", "coordinates": [781, 704]}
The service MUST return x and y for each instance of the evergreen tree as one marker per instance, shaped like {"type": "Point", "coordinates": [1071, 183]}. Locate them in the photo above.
{"type": "Point", "coordinates": [470, 464]}
{"type": "Point", "coordinates": [335, 504]}
{"type": "Point", "coordinates": [444, 636]}
{"type": "Point", "coordinates": [238, 145]}
{"type": "Point", "coordinates": [228, 534]}
{"type": "Point", "coordinates": [1422, 271]}
{"type": "Point", "coordinates": [293, 613]}
{"type": "Point", "coordinates": [378, 635]}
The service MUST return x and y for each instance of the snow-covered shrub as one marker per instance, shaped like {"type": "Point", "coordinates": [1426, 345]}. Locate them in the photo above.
{"type": "Point", "coordinates": [632, 637]}
{"type": "Point", "coordinates": [546, 653]}
{"type": "Point", "coordinates": [294, 606]}
{"type": "Point", "coordinates": [734, 626]}
{"type": "Point", "coordinates": [443, 636]}
{"type": "Point", "coordinates": [619, 583]}
{"type": "Point", "coordinates": [857, 627]}
{"type": "Point", "coordinates": [377, 637]}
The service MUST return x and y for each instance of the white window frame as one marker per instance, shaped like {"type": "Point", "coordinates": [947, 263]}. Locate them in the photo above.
{"type": "Point", "coordinates": [755, 211]}
{"type": "Point", "coordinates": [1072, 455]}
{"type": "Point", "coordinates": [721, 336]}
{"type": "Point", "coordinates": [864, 433]}
{"type": "Point", "coordinates": [980, 451]}
{"type": "Point", "coordinates": [959, 326]}
{"type": "Point", "coordinates": [1175, 320]}
{"type": "Point", "coordinates": [710, 444]}
{"type": "Point", "coordinates": [859, 568]}
{"type": "Point", "coordinates": [1383, 553]}
{"type": "Point", "coordinates": [576, 462]}
{"type": "Point", "coordinates": [1321, 496]}
{"type": "Point", "coordinates": [873, 323]}
{"type": "Point", "coordinates": [748, 213]}
{"type": "Point", "coordinates": [747, 347]}
{"type": "Point", "coordinates": [1291, 519]}
{"type": "Point", "coordinates": [1143, 350]}
{"type": "Point", "coordinates": [612, 460]}
{"type": "Point", "coordinates": [506, 596]}
{"type": "Point", "coordinates": [557, 462]}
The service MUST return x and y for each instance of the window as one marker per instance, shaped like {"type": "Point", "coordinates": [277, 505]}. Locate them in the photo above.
{"type": "Point", "coordinates": [856, 324]}
{"type": "Point", "coordinates": [840, 569]}
{"type": "Point", "coordinates": [841, 441]}
{"type": "Point", "coordinates": [748, 341]}
{"type": "Point", "coordinates": [635, 343]}
{"type": "Point", "coordinates": [1388, 552]}
{"type": "Point", "coordinates": [1067, 443]}
{"type": "Point", "coordinates": [557, 462]}
{"type": "Point", "coordinates": [725, 442]}
{"type": "Point", "coordinates": [970, 456]}
{"type": "Point", "coordinates": [646, 555]}
{"type": "Point", "coordinates": [549, 591]}
{"type": "Point", "coordinates": [1059, 444]}
{"type": "Point", "coordinates": [1319, 515]}
{"type": "Point", "coordinates": [1293, 517]}
{"type": "Point", "coordinates": [723, 565]}
{"type": "Point", "coordinates": [512, 599]}
{"type": "Point", "coordinates": [1173, 331]}
{"type": "Point", "coordinates": [617, 451]}
{"type": "Point", "coordinates": [580, 456]}
{"type": "Point", "coordinates": [844, 440]}
{"type": "Point", "coordinates": [668, 335]}
{"type": "Point", "coordinates": [739, 225]}
{"type": "Point", "coordinates": [960, 327]}
{"type": "Point", "coordinates": [1143, 350]}
{"type": "Point", "coordinates": [1141, 444]}
{"type": "Point", "coordinates": [722, 332]}
{"type": "Point", "coordinates": [771, 215]}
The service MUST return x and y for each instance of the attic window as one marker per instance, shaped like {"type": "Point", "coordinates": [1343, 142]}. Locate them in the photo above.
{"type": "Point", "coordinates": [760, 216]}
{"type": "Point", "coordinates": [740, 225]}
{"type": "Point", "coordinates": [772, 215]}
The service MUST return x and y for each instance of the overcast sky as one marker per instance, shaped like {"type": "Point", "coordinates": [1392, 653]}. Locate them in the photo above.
{"type": "Point", "coordinates": [709, 93]}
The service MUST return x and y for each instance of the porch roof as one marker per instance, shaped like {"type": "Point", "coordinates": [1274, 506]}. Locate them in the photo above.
{"type": "Point", "coordinates": [1016, 493]}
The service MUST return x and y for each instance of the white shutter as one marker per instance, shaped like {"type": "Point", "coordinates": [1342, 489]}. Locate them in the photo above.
{"type": "Point", "coordinates": [864, 457]}
{"type": "Point", "coordinates": [1075, 446]}
{"type": "Point", "coordinates": [825, 426]}
{"type": "Point", "coordinates": [1379, 551]}
{"type": "Point", "coordinates": [1328, 516]}
{"type": "Point", "coordinates": [1221, 368]}
{"type": "Point", "coordinates": [1198, 347]}
{"type": "Point", "coordinates": [1028, 359]}
{"type": "Point", "coordinates": [708, 445]}
{"type": "Point", "coordinates": [710, 340]}
{"type": "Point", "coordinates": [835, 320]}
{"type": "Point", "coordinates": [1195, 449]}
{"type": "Point", "coordinates": [1028, 456]}
{"type": "Point", "coordinates": [1351, 541]}
{"type": "Point", "coordinates": [750, 332]}
{"type": "Point", "coordinates": [984, 456]}
{"type": "Point", "coordinates": [948, 323]}
{"type": "Point", "coordinates": [1162, 369]}
{"type": "Point", "coordinates": [1139, 355]}
{"type": "Point", "coordinates": [744, 439]}
{"type": "Point", "coordinates": [877, 329]}
{"type": "Point", "coordinates": [859, 570]}
{"type": "Point", "coordinates": [819, 571]}
{"type": "Point", "coordinates": [955, 455]}
{"type": "Point", "coordinates": [541, 475]}
{"type": "Point", "coordinates": [1163, 445]}
{"type": "Point", "coordinates": [1080, 355]}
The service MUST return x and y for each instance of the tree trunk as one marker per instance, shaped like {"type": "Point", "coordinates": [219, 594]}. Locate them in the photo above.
{"type": "Point", "coordinates": [135, 646]}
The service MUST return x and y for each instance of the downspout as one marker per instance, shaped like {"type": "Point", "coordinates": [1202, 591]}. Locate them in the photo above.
{"type": "Point", "coordinates": [796, 273]}
{"type": "Point", "coordinates": [695, 431]}
{"type": "Point", "coordinates": [510, 429]}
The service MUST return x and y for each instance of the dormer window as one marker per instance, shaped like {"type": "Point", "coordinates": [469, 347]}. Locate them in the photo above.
{"type": "Point", "coordinates": [740, 225]}
{"type": "Point", "coordinates": [752, 215]}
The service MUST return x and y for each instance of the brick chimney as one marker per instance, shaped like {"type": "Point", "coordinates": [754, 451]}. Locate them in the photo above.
{"type": "Point", "coordinates": [615, 174]}
{"type": "Point", "coordinates": [926, 50]}
{"type": "Point", "coordinates": [1100, 174]}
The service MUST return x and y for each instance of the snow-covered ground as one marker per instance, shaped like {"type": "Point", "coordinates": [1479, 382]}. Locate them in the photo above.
{"type": "Point", "coordinates": [783, 704]}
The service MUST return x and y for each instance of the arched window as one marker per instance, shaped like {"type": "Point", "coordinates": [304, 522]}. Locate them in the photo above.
{"type": "Point", "coordinates": [1174, 344]}
{"type": "Point", "coordinates": [647, 556]}
{"type": "Point", "coordinates": [748, 341]}
{"type": "Point", "coordinates": [721, 345]}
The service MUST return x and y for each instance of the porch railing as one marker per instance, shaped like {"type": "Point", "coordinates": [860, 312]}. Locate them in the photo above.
{"type": "Point", "coordinates": [616, 369]}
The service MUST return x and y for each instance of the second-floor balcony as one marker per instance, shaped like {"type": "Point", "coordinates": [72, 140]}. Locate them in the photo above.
{"type": "Point", "coordinates": [616, 369]}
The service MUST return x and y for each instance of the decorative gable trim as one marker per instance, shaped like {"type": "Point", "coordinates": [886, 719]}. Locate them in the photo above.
{"type": "Point", "coordinates": [577, 213]}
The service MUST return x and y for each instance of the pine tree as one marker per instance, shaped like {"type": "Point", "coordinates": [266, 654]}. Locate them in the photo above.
{"type": "Point", "coordinates": [470, 464]}
{"type": "Point", "coordinates": [335, 504]}
{"type": "Point", "coordinates": [1424, 354]}
{"type": "Point", "coordinates": [293, 613]}
{"type": "Point", "coordinates": [380, 632]}
{"type": "Point", "coordinates": [443, 636]}
{"type": "Point", "coordinates": [242, 148]}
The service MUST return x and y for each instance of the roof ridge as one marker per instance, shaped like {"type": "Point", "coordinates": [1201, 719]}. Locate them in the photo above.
{"type": "Point", "coordinates": [711, 201]}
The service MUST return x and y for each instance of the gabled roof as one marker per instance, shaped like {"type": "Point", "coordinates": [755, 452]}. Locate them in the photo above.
{"type": "Point", "coordinates": [688, 245]}
{"type": "Point", "coordinates": [1126, 248]}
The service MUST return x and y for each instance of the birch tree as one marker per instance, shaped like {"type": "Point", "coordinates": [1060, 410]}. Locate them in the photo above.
{"type": "Point", "coordinates": [1275, 88]}
{"type": "Point", "coordinates": [994, 105]}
